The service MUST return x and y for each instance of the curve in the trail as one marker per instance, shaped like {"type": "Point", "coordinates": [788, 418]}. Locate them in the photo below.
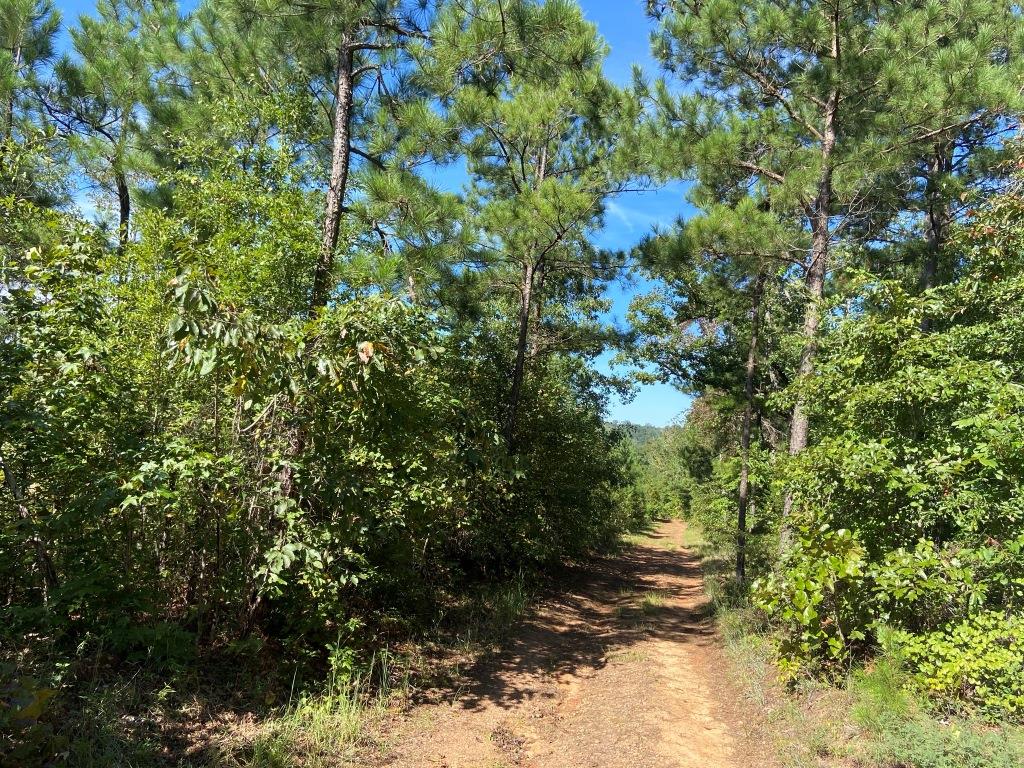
{"type": "Point", "coordinates": [622, 668]}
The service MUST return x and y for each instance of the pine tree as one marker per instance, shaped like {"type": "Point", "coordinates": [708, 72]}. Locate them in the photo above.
{"type": "Point", "coordinates": [28, 29]}
{"type": "Point", "coordinates": [707, 329]}
{"type": "Point", "coordinates": [520, 84]}
{"type": "Point", "coordinates": [793, 103]}
{"type": "Point", "coordinates": [107, 96]}
{"type": "Point", "coordinates": [33, 160]}
{"type": "Point", "coordinates": [781, 106]}
{"type": "Point", "coordinates": [952, 90]}
{"type": "Point", "coordinates": [348, 66]}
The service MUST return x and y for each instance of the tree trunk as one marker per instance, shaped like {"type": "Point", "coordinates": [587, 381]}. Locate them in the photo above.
{"type": "Point", "coordinates": [539, 270]}
{"type": "Point", "coordinates": [821, 234]}
{"type": "Point", "coordinates": [815, 284]}
{"type": "Point", "coordinates": [124, 202]}
{"type": "Point", "coordinates": [748, 414]}
{"type": "Point", "coordinates": [16, 55]}
{"type": "Point", "coordinates": [938, 220]}
{"type": "Point", "coordinates": [522, 342]}
{"type": "Point", "coordinates": [340, 157]}
{"type": "Point", "coordinates": [43, 560]}
{"type": "Point", "coordinates": [534, 345]}
{"type": "Point", "coordinates": [799, 424]}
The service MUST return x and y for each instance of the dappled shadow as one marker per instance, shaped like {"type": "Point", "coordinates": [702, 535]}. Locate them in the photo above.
{"type": "Point", "coordinates": [134, 715]}
{"type": "Point", "coordinates": [600, 608]}
{"type": "Point", "coordinates": [592, 613]}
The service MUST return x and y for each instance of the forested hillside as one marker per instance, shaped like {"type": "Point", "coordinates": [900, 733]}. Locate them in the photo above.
{"type": "Point", "coordinates": [301, 312]}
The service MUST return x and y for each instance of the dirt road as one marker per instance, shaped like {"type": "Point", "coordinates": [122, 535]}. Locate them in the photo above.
{"type": "Point", "coordinates": [622, 669]}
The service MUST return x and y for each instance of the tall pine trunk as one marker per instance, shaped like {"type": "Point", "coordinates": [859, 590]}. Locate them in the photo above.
{"type": "Point", "coordinates": [340, 158]}
{"type": "Point", "coordinates": [16, 56]}
{"type": "Point", "coordinates": [529, 309]}
{"type": "Point", "coordinates": [124, 204]}
{"type": "Point", "coordinates": [937, 221]}
{"type": "Point", "coordinates": [538, 291]}
{"type": "Point", "coordinates": [820, 211]}
{"type": "Point", "coordinates": [815, 285]}
{"type": "Point", "coordinates": [748, 415]}
{"type": "Point", "coordinates": [522, 344]}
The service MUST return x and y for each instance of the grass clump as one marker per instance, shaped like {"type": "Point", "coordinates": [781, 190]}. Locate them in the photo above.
{"type": "Point", "coordinates": [318, 731]}
{"type": "Point", "coordinates": [901, 731]}
{"type": "Point", "coordinates": [652, 602]}
{"type": "Point", "coordinates": [322, 729]}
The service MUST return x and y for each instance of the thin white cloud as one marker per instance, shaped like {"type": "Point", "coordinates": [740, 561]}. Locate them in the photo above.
{"type": "Point", "coordinates": [633, 218]}
{"type": "Point", "coordinates": [621, 213]}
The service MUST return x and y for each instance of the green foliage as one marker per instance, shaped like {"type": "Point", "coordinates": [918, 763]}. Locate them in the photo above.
{"type": "Point", "coordinates": [28, 29]}
{"type": "Point", "coordinates": [898, 731]}
{"type": "Point", "coordinates": [196, 456]}
{"type": "Point", "coordinates": [22, 704]}
{"type": "Point", "coordinates": [113, 100]}
{"type": "Point", "coordinates": [920, 440]}
{"type": "Point", "coordinates": [818, 598]}
{"type": "Point", "coordinates": [979, 660]}
{"type": "Point", "coordinates": [923, 743]}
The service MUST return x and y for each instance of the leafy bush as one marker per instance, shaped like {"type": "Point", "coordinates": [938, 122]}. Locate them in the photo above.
{"type": "Point", "coordinates": [819, 599]}
{"type": "Point", "coordinates": [979, 660]}
{"type": "Point", "coordinates": [23, 735]}
{"type": "Point", "coordinates": [924, 587]}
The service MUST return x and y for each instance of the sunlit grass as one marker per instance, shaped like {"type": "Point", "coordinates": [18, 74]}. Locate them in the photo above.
{"type": "Point", "coordinates": [693, 536]}
{"type": "Point", "coordinates": [652, 602]}
{"type": "Point", "coordinates": [315, 731]}
{"type": "Point", "coordinates": [322, 730]}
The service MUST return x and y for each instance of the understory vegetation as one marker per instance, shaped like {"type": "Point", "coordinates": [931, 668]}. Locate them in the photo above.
{"type": "Point", "coordinates": [303, 324]}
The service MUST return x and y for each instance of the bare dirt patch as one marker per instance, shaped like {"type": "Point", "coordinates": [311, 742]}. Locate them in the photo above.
{"type": "Point", "coordinates": [622, 668]}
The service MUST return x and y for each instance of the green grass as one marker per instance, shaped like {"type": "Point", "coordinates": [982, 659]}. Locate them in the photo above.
{"type": "Point", "coordinates": [506, 606]}
{"type": "Point", "coordinates": [693, 536]}
{"type": "Point", "coordinates": [636, 539]}
{"type": "Point", "coordinates": [626, 656]}
{"type": "Point", "coordinates": [652, 602]}
{"type": "Point", "coordinates": [139, 723]}
{"type": "Point", "coordinates": [901, 732]}
{"type": "Point", "coordinates": [315, 731]}
{"type": "Point", "coordinates": [487, 616]}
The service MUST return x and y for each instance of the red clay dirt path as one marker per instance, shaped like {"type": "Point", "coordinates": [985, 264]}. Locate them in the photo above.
{"type": "Point", "coordinates": [621, 669]}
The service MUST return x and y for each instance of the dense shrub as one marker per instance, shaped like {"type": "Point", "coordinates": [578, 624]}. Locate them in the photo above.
{"type": "Point", "coordinates": [980, 660]}
{"type": "Point", "coordinates": [819, 598]}
{"type": "Point", "coordinates": [194, 458]}
{"type": "Point", "coordinates": [919, 467]}
{"type": "Point", "coordinates": [159, 492]}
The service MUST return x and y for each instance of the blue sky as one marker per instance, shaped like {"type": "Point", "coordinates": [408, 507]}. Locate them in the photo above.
{"type": "Point", "coordinates": [630, 216]}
